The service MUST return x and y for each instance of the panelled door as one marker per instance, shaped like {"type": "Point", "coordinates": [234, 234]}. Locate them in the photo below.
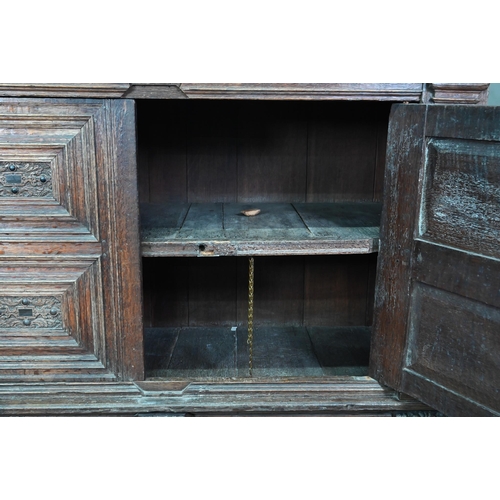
{"type": "Point", "coordinates": [437, 318]}
{"type": "Point", "coordinates": [70, 295]}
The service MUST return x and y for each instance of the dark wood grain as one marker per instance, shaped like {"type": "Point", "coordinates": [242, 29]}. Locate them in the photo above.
{"type": "Point", "coordinates": [100, 90]}
{"type": "Point", "coordinates": [404, 157]}
{"type": "Point", "coordinates": [342, 152]}
{"type": "Point", "coordinates": [166, 285]}
{"type": "Point", "coordinates": [202, 352]}
{"type": "Point", "coordinates": [444, 324]}
{"type": "Point", "coordinates": [272, 149]}
{"type": "Point", "coordinates": [336, 91]}
{"type": "Point", "coordinates": [335, 290]}
{"type": "Point", "coordinates": [212, 292]}
{"type": "Point", "coordinates": [211, 152]}
{"type": "Point", "coordinates": [334, 396]}
{"type": "Point", "coordinates": [456, 93]}
{"type": "Point", "coordinates": [279, 291]}
{"type": "Point", "coordinates": [154, 91]}
{"type": "Point", "coordinates": [341, 350]}
{"type": "Point", "coordinates": [159, 344]}
{"type": "Point", "coordinates": [477, 279]}
{"type": "Point", "coordinates": [452, 338]}
{"type": "Point", "coordinates": [162, 151]}
{"type": "Point", "coordinates": [281, 352]}
{"type": "Point", "coordinates": [215, 229]}
{"type": "Point", "coordinates": [93, 253]}
{"type": "Point", "coordinates": [461, 205]}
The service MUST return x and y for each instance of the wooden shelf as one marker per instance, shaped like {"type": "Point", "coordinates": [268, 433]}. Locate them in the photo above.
{"type": "Point", "coordinates": [221, 352]}
{"type": "Point", "coordinates": [219, 229]}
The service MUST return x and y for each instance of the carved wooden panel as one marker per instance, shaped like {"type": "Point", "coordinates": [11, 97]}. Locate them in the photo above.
{"type": "Point", "coordinates": [462, 194]}
{"type": "Point", "coordinates": [30, 312]}
{"type": "Point", "coordinates": [438, 349]}
{"type": "Point", "coordinates": [69, 253]}
{"type": "Point", "coordinates": [24, 179]}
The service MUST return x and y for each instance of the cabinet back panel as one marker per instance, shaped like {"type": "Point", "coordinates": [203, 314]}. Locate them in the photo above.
{"type": "Point", "coordinates": [256, 151]}
{"type": "Point", "coordinates": [289, 291]}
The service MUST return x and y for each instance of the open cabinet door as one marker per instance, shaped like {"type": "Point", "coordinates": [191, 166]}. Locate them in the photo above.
{"type": "Point", "coordinates": [436, 333]}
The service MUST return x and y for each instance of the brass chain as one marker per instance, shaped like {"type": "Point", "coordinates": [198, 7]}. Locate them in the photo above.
{"type": "Point", "coordinates": [250, 313]}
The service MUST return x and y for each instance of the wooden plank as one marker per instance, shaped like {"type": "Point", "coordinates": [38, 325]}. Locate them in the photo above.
{"type": "Point", "coordinates": [159, 344]}
{"type": "Point", "coordinates": [203, 222]}
{"type": "Point", "coordinates": [162, 147]}
{"type": "Point", "coordinates": [100, 90]}
{"type": "Point", "coordinates": [212, 173]}
{"type": "Point", "coordinates": [211, 138]}
{"type": "Point", "coordinates": [220, 229]}
{"type": "Point", "coordinates": [342, 350]}
{"type": "Point", "coordinates": [478, 278]}
{"type": "Point", "coordinates": [166, 283]}
{"type": "Point", "coordinates": [275, 221]}
{"type": "Point", "coordinates": [456, 93]}
{"type": "Point", "coordinates": [336, 290]}
{"type": "Point", "coordinates": [212, 292]}
{"type": "Point", "coordinates": [343, 221]}
{"type": "Point", "coordinates": [404, 159]}
{"type": "Point", "coordinates": [382, 129]}
{"type": "Point", "coordinates": [272, 152]}
{"type": "Point", "coordinates": [319, 91]}
{"type": "Point", "coordinates": [203, 352]}
{"type": "Point", "coordinates": [461, 200]}
{"type": "Point", "coordinates": [278, 291]}
{"type": "Point", "coordinates": [341, 151]}
{"type": "Point", "coordinates": [451, 337]}
{"type": "Point", "coordinates": [332, 396]}
{"type": "Point", "coordinates": [155, 91]}
{"type": "Point", "coordinates": [280, 352]}
{"type": "Point", "coordinates": [162, 220]}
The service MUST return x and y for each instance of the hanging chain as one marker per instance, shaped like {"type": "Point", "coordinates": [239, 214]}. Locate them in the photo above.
{"type": "Point", "coordinates": [250, 313]}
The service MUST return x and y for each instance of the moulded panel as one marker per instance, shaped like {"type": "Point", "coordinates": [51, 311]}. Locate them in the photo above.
{"type": "Point", "coordinates": [461, 198]}
{"type": "Point", "coordinates": [450, 336]}
{"type": "Point", "coordinates": [49, 171]}
{"type": "Point", "coordinates": [52, 321]}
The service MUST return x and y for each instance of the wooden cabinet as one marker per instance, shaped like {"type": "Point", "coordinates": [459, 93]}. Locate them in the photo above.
{"type": "Point", "coordinates": [70, 283]}
{"type": "Point", "coordinates": [92, 186]}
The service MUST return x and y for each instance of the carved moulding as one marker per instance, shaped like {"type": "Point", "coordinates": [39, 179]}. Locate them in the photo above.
{"type": "Point", "coordinates": [30, 312]}
{"type": "Point", "coordinates": [456, 93]}
{"type": "Point", "coordinates": [25, 179]}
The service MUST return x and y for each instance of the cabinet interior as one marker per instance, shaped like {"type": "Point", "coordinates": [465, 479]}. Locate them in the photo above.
{"type": "Point", "coordinates": [315, 170]}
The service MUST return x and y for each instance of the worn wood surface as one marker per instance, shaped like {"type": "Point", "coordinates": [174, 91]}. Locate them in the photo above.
{"type": "Point", "coordinates": [317, 91]}
{"type": "Point", "coordinates": [341, 351]}
{"type": "Point", "coordinates": [289, 291]}
{"type": "Point", "coordinates": [335, 396]}
{"type": "Point", "coordinates": [246, 152]}
{"type": "Point", "coordinates": [214, 229]}
{"type": "Point", "coordinates": [154, 91]}
{"type": "Point", "coordinates": [461, 206]}
{"type": "Point", "coordinates": [198, 353]}
{"type": "Point", "coordinates": [278, 291]}
{"type": "Point", "coordinates": [100, 90]}
{"type": "Point", "coordinates": [448, 320]}
{"type": "Point", "coordinates": [336, 291]}
{"type": "Point", "coordinates": [456, 93]}
{"type": "Point", "coordinates": [72, 238]}
{"type": "Point", "coordinates": [404, 158]}
{"type": "Point", "coordinates": [440, 93]}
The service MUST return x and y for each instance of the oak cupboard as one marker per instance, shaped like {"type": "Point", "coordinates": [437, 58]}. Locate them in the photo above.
{"type": "Point", "coordinates": [132, 283]}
